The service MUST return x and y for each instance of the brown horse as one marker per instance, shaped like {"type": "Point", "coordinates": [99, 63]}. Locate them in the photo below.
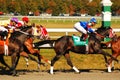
{"type": "Point", "coordinates": [15, 47]}
{"type": "Point", "coordinates": [115, 47]}
{"type": "Point", "coordinates": [65, 44]}
{"type": "Point", "coordinates": [29, 49]}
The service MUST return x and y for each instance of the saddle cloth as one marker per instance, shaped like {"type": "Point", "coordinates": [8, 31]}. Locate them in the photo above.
{"type": "Point", "coordinates": [78, 41]}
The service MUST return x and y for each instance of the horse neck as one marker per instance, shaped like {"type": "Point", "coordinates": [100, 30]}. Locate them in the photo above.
{"type": "Point", "coordinates": [21, 35]}
{"type": "Point", "coordinates": [101, 34]}
{"type": "Point", "coordinates": [98, 37]}
{"type": "Point", "coordinates": [22, 38]}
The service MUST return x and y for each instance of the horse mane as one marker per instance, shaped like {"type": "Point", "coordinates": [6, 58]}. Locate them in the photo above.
{"type": "Point", "coordinates": [101, 29]}
{"type": "Point", "coordinates": [18, 33]}
{"type": "Point", "coordinates": [25, 28]}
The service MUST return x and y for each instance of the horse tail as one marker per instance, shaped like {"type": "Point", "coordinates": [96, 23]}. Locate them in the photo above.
{"type": "Point", "coordinates": [39, 43]}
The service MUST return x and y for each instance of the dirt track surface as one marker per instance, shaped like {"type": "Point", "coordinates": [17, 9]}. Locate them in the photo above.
{"type": "Point", "coordinates": [84, 75]}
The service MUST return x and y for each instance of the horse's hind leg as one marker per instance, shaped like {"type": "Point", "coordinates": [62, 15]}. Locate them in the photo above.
{"type": "Point", "coordinates": [3, 62]}
{"type": "Point", "coordinates": [67, 56]}
{"type": "Point", "coordinates": [56, 58]}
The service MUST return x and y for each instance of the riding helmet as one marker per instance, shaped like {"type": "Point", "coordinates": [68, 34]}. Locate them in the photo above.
{"type": "Point", "coordinates": [26, 19]}
{"type": "Point", "coordinates": [14, 19]}
{"type": "Point", "coordinates": [93, 20]}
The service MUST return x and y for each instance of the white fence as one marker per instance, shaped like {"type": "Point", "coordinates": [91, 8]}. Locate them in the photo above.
{"type": "Point", "coordinates": [67, 30]}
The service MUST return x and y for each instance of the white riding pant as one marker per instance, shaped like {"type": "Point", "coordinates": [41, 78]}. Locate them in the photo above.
{"type": "Point", "coordinates": [79, 28]}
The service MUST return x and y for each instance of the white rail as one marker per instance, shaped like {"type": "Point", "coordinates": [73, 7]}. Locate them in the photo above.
{"type": "Point", "coordinates": [67, 30]}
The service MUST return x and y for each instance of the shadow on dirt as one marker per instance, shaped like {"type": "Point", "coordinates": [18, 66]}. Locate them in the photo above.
{"type": "Point", "coordinates": [3, 71]}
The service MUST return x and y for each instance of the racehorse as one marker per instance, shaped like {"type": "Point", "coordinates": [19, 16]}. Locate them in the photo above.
{"type": "Point", "coordinates": [115, 47]}
{"type": "Point", "coordinates": [15, 47]}
{"type": "Point", "coordinates": [65, 44]}
{"type": "Point", "coordinates": [29, 49]}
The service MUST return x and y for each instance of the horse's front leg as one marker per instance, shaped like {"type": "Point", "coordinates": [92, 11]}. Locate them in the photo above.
{"type": "Point", "coordinates": [110, 64]}
{"type": "Point", "coordinates": [15, 60]}
{"type": "Point", "coordinates": [67, 56]}
{"type": "Point", "coordinates": [107, 64]}
{"type": "Point", "coordinates": [106, 61]}
{"type": "Point", "coordinates": [107, 54]}
{"type": "Point", "coordinates": [100, 51]}
{"type": "Point", "coordinates": [3, 62]}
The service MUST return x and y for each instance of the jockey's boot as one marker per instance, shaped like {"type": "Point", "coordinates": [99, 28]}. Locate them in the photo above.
{"type": "Point", "coordinates": [82, 37]}
{"type": "Point", "coordinates": [85, 37]}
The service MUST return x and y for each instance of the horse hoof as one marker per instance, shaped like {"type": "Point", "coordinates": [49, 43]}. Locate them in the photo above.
{"type": "Point", "coordinates": [16, 75]}
{"type": "Point", "coordinates": [77, 72]}
{"type": "Point", "coordinates": [51, 73]}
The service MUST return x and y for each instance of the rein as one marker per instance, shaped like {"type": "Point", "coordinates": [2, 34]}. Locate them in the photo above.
{"type": "Point", "coordinates": [99, 35]}
{"type": "Point", "coordinates": [24, 32]}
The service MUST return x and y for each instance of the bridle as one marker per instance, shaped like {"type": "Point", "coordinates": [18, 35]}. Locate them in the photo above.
{"type": "Point", "coordinates": [99, 35]}
{"type": "Point", "coordinates": [110, 33]}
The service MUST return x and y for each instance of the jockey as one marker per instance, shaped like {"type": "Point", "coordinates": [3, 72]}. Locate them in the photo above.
{"type": "Point", "coordinates": [85, 27]}
{"type": "Point", "coordinates": [13, 23]}
{"type": "Point", "coordinates": [25, 21]}
{"type": "Point", "coordinates": [20, 24]}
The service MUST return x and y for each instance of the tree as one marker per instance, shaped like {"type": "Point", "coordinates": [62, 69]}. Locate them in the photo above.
{"type": "Point", "coordinates": [56, 6]}
{"type": "Point", "coordinates": [93, 7]}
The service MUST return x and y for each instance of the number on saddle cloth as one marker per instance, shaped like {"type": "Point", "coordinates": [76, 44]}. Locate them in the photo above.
{"type": "Point", "coordinates": [78, 42]}
{"type": "Point", "coordinates": [106, 39]}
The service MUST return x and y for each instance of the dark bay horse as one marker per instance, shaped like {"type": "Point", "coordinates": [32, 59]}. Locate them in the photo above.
{"type": "Point", "coordinates": [65, 44]}
{"type": "Point", "coordinates": [15, 47]}
{"type": "Point", "coordinates": [115, 47]}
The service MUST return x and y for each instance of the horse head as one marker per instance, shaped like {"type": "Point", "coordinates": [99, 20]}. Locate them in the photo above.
{"type": "Point", "coordinates": [105, 32]}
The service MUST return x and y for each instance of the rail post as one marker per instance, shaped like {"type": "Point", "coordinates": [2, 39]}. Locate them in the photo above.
{"type": "Point", "coordinates": [106, 13]}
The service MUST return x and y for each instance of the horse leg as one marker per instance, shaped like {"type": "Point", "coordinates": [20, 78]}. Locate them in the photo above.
{"type": "Point", "coordinates": [67, 56]}
{"type": "Point", "coordinates": [107, 54]}
{"type": "Point", "coordinates": [39, 60]}
{"type": "Point", "coordinates": [15, 60]}
{"type": "Point", "coordinates": [44, 59]}
{"type": "Point", "coordinates": [3, 62]}
{"type": "Point", "coordinates": [24, 54]}
{"type": "Point", "coordinates": [56, 58]}
{"type": "Point", "coordinates": [110, 61]}
{"type": "Point", "coordinates": [106, 61]}
{"type": "Point", "coordinates": [27, 63]}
